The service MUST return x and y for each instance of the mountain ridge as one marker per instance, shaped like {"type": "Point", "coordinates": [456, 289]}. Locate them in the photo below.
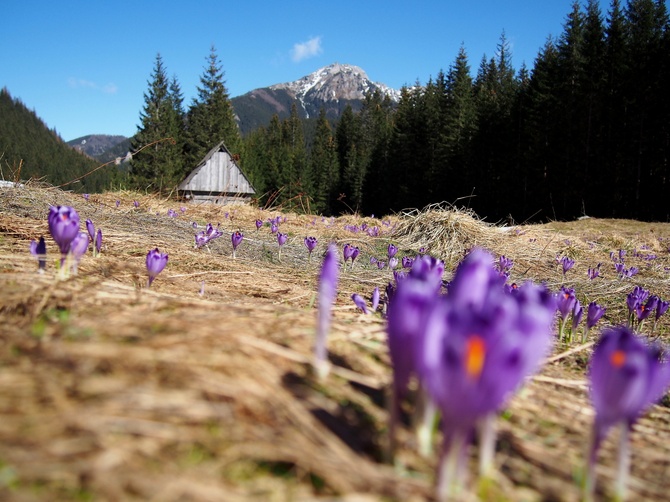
{"type": "Point", "coordinates": [332, 87]}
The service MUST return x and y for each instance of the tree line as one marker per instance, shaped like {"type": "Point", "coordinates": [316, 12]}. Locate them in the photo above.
{"type": "Point", "coordinates": [584, 132]}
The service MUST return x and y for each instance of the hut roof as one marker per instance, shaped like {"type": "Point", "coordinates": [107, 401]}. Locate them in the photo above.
{"type": "Point", "coordinates": [199, 180]}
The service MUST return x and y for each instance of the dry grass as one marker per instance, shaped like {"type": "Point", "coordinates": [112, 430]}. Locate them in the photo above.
{"type": "Point", "coordinates": [111, 391]}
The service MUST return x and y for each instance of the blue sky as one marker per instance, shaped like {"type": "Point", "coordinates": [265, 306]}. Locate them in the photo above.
{"type": "Point", "coordinates": [84, 66]}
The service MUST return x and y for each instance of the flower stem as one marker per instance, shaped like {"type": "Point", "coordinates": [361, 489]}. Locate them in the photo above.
{"type": "Point", "coordinates": [425, 426]}
{"type": "Point", "coordinates": [624, 463]}
{"type": "Point", "coordinates": [450, 474]}
{"type": "Point", "coordinates": [487, 444]}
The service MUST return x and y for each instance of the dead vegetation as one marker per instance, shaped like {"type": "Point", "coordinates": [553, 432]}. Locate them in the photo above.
{"type": "Point", "coordinates": [112, 391]}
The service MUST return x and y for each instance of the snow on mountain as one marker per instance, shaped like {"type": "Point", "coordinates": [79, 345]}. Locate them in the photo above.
{"type": "Point", "coordinates": [335, 82]}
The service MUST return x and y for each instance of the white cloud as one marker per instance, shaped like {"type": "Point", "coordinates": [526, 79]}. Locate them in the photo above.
{"type": "Point", "coordinates": [306, 50]}
{"type": "Point", "coordinates": [79, 83]}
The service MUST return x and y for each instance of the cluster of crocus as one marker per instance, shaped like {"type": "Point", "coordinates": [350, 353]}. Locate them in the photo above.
{"type": "Point", "coordinates": [362, 305]}
{"type": "Point", "coordinates": [64, 228]}
{"type": "Point", "coordinates": [627, 374]}
{"type": "Point", "coordinates": [594, 272]}
{"type": "Point", "coordinates": [641, 305]}
{"type": "Point", "coordinates": [236, 238]}
{"type": "Point", "coordinates": [504, 265]}
{"type": "Point", "coordinates": [620, 266]}
{"type": "Point", "coordinates": [328, 279]}
{"type": "Point", "coordinates": [566, 303]}
{"type": "Point", "coordinates": [204, 237]}
{"type": "Point", "coordinates": [310, 244]}
{"type": "Point", "coordinates": [96, 237]}
{"type": "Point", "coordinates": [471, 349]}
{"type": "Point", "coordinates": [350, 252]}
{"type": "Point", "coordinates": [156, 262]}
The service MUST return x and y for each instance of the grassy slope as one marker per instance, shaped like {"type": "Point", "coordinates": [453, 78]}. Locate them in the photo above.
{"type": "Point", "coordinates": [111, 391]}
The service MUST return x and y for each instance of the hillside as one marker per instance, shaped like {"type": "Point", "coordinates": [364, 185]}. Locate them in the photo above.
{"type": "Point", "coordinates": [200, 387]}
{"type": "Point", "coordinates": [30, 150]}
{"type": "Point", "coordinates": [95, 144]}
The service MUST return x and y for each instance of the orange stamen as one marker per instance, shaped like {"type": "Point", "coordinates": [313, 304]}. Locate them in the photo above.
{"type": "Point", "coordinates": [475, 353]}
{"type": "Point", "coordinates": [617, 358]}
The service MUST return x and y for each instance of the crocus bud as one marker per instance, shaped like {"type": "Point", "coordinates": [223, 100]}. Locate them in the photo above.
{"type": "Point", "coordinates": [328, 279]}
{"type": "Point", "coordinates": [359, 301]}
{"type": "Point", "coordinates": [236, 239]}
{"type": "Point", "coordinates": [156, 262]}
{"type": "Point", "coordinates": [98, 242]}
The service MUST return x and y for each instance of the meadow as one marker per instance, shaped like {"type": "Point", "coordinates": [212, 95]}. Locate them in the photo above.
{"type": "Point", "coordinates": [200, 387]}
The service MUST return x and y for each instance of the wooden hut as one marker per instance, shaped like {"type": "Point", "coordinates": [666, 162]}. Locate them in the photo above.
{"type": "Point", "coordinates": [217, 179]}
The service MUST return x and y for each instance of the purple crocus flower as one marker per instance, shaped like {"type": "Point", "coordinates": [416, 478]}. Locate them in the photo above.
{"type": "Point", "coordinates": [274, 228]}
{"type": "Point", "coordinates": [593, 314]}
{"type": "Point", "coordinates": [407, 261]}
{"type": "Point", "coordinates": [661, 308]}
{"type": "Point", "coordinates": [594, 272]}
{"type": "Point", "coordinates": [567, 264]}
{"type": "Point", "coordinates": [310, 244]}
{"type": "Point", "coordinates": [86, 197]}
{"type": "Point", "coordinates": [577, 314]}
{"type": "Point", "coordinates": [281, 240]}
{"type": "Point", "coordinates": [78, 249]}
{"type": "Point", "coordinates": [393, 262]}
{"type": "Point", "coordinates": [98, 242]}
{"type": "Point", "coordinates": [118, 203]}
{"type": "Point", "coordinates": [347, 251]}
{"type": "Point", "coordinates": [627, 375]}
{"type": "Point", "coordinates": [643, 311]}
{"type": "Point", "coordinates": [236, 238]}
{"type": "Point", "coordinates": [39, 250]}
{"type": "Point", "coordinates": [375, 299]}
{"type": "Point", "coordinates": [392, 250]}
{"type": "Point", "coordinates": [484, 342]}
{"type": "Point", "coordinates": [359, 301]}
{"type": "Point", "coordinates": [63, 226]}
{"type": "Point", "coordinates": [326, 296]}
{"type": "Point", "coordinates": [90, 228]}
{"type": "Point", "coordinates": [136, 204]}
{"type": "Point", "coordinates": [259, 224]}
{"type": "Point", "coordinates": [354, 254]}
{"type": "Point", "coordinates": [505, 264]}
{"type": "Point", "coordinates": [156, 262]}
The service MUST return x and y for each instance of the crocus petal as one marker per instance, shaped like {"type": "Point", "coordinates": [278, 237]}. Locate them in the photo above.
{"type": "Point", "coordinates": [359, 301]}
{"type": "Point", "coordinates": [328, 279]}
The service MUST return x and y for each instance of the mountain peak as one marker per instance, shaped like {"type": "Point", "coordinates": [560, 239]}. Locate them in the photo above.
{"type": "Point", "coordinates": [335, 82]}
{"type": "Point", "coordinates": [331, 88]}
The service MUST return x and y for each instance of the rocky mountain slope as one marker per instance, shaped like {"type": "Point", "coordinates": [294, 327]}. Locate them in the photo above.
{"type": "Point", "coordinates": [332, 87]}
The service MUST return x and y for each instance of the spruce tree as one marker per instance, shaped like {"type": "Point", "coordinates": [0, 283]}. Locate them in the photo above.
{"type": "Point", "coordinates": [159, 164]}
{"type": "Point", "coordinates": [211, 118]}
{"type": "Point", "coordinates": [324, 166]}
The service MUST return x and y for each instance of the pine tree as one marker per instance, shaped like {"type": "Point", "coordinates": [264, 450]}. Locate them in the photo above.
{"type": "Point", "coordinates": [159, 164]}
{"type": "Point", "coordinates": [211, 118]}
{"type": "Point", "coordinates": [323, 159]}
{"type": "Point", "coordinates": [459, 129]}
